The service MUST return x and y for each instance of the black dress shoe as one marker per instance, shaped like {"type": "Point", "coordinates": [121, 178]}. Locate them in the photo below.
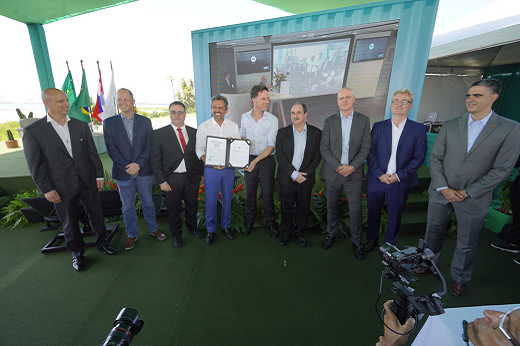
{"type": "Point", "coordinates": [209, 238]}
{"type": "Point", "coordinates": [78, 264]}
{"type": "Point", "coordinates": [328, 242]}
{"type": "Point", "coordinates": [358, 250]}
{"type": "Point", "coordinates": [229, 233]}
{"type": "Point", "coordinates": [177, 241]}
{"type": "Point", "coordinates": [107, 248]}
{"type": "Point", "coordinates": [302, 241]}
{"type": "Point", "coordinates": [274, 232]}
{"type": "Point", "coordinates": [196, 233]}
{"type": "Point", "coordinates": [369, 246]}
{"type": "Point", "coordinates": [248, 230]}
{"type": "Point", "coordinates": [458, 289]}
{"type": "Point", "coordinates": [284, 239]}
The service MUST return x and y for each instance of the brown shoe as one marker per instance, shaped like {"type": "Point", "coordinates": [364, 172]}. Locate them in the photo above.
{"type": "Point", "coordinates": [421, 270]}
{"type": "Point", "coordinates": [130, 243]}
{"type": "Point", "coordinates": [159, 235]}
{"type": "Point", "coordinates": [458, 289]}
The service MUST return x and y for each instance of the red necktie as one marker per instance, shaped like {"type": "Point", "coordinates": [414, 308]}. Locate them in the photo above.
{"type": "Point", "coordinates": [181, 137]}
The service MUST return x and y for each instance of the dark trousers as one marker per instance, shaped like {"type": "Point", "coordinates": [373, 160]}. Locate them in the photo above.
{"type": "Point", "coordinates": [263, 173]}
{"type": "Point", "coordinates": [395, 201]}
{"type": "Point", "coordinates": [68, 213]}
{"type": "Point", "coordinates": [301, 195]}
{"type": "Point", "coordinates": [182, 188]}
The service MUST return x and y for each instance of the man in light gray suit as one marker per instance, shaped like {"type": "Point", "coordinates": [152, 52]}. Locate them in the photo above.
{"type": "Point", "coordinates": [471, 155]}
{"type": "Point", "coordinates": [345, 144]}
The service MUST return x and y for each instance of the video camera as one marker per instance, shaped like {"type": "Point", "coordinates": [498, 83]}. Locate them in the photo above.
{"type": "Point", "coordinates": [399, 266]}
{"type": "Point", "coordinates": [126, 326]}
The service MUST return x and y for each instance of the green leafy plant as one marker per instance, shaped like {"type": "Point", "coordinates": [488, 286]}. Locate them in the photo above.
{"type": "Point", "coordinates": [501, 193]}
{"type": "Point", "coordinates": [13, 217]}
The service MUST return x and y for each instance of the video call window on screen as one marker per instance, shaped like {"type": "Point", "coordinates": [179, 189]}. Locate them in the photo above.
{"type": "Point", "coordinates": [256, 61]}
{"type": "Point", "coordinates": [370, 49]}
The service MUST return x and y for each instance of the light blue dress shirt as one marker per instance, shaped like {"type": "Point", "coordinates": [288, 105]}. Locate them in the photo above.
{"type": "Point", "coordinates": [129, 126]}
{"type": "Point", "coordinates": [262, 133]}
{"type": "Point", "coordinates": [346, 126]}
{"type": "Point", "coordinates": [475, 128]}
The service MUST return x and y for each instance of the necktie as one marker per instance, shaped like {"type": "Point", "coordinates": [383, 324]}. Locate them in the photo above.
{"type": "Point", "coordinates": [181, 137]}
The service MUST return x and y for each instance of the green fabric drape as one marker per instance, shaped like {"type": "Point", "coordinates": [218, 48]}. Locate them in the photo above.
{"type": "Point", "coordinates": [507, 104]}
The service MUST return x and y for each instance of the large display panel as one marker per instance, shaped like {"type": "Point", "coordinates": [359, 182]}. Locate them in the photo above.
{"type": "Point", "coordinates": [314, 68]}
{"type": "Point", "coordinates": [256, 61]}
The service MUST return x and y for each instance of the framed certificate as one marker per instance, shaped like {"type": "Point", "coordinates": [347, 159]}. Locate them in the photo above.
{"type": "Point", "coordinates": [233, 153]}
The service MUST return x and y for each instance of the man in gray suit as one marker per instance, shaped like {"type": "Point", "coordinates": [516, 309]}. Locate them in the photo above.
{"type": "Point", "coordinates": [471, 155]}
{"type": "Point", "coordinates": [345, 144]}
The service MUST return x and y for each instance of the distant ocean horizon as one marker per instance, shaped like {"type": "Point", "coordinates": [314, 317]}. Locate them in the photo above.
{"type": "Point", "coordinates": [8, 110]}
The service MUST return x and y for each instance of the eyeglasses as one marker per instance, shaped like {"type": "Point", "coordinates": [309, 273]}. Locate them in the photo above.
{"type": "Point", "coordinates": [501, 325]}
{"type": "Point", "coordinates": [404, 102]}
{"type": "Point", "coordinates": [179, 112]}
{"type": "Point", "coordinates": [465, 337]}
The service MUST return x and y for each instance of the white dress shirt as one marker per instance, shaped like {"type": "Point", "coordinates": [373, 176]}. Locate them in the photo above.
{"type": "Point", "coordinates": [212, 128]}
{"type": "Point", "coordinates": [262, 133]}
{"type": "Point", "coordinates": [182, 166]}
{"type": "Point", "coordinates": [396, 135]}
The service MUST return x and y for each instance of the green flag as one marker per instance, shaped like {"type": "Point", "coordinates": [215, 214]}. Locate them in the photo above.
{"type": "Point", "coordinates": [68, 88]}
{"type": "Point", "coordinates": [80, 109]}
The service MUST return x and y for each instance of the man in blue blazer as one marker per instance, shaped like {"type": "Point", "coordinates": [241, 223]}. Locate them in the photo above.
{"type": "Point", "coordinates": [398, 150]}
{"type": "Point", "coordinates": [128, 138]}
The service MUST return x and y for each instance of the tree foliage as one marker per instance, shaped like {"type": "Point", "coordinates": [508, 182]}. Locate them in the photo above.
{"type": "Point", "coordinates": [186, 95]}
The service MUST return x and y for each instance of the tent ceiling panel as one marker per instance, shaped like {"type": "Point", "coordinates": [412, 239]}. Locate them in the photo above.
{"type": "Point", "coordinates": [302, 6]}
{"type": "Point", "coordinates": [48, 11]}
{"type": "Point", "coordinates": [509, 54]}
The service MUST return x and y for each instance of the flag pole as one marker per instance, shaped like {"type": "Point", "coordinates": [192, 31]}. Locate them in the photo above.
{"type": "Point", "coordinates": [111, 69]}
{"type": "Point", "coordinates": [81, 61]}
{"type": "Point", "coordinates": [68, 69]}
{"type": "Point", "coordinates": [98, 68]}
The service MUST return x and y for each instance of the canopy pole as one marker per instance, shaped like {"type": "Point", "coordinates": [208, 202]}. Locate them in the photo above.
{"type": "Point", "coordinates": [41, 55]}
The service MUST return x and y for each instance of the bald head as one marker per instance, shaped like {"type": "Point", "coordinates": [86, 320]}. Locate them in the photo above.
{"type": "Point", "coordinates": [56, 102]}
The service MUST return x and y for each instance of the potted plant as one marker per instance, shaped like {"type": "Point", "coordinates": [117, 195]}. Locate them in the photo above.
{"type": "Point", "coordinates": [25, 120]}
{"type": "Point", "coordinates": [11, 142]}
{"type": "Point", "coordinates": [501, 215]}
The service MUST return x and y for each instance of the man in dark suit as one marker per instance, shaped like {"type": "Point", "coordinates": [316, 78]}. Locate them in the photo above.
{"type": "Point", "coordinates": [397, 151]}
{"type": "Point", "coordinates": [178, 171]}
{"type": "Point", "coordinates": [227, 85]}
{"type": "Point", "coordinates": [298, 155]}
{"type": "Point", "coordinates": [345, 143]}
{"type": "Point", "coordinates": [65, 166]}
{"type": "Point", "coordinates": [471, 155]}
{"type": "Point", "coordinates": [128, 138]}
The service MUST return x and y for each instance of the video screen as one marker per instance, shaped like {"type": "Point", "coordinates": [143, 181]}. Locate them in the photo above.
{"type": "Point", "coordinates": [370, 49]}
{"type": "Point", "coordinates": [313, 68]}
{"type": "Point", "coordinates": [256, 61]}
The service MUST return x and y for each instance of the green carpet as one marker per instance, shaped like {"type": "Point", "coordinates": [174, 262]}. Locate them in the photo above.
{"type": "Point", "coordinates": [247, 291]}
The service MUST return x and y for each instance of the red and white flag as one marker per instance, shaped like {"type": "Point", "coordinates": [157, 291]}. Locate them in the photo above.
{"type": "Point", "coordinates": [100, 102]}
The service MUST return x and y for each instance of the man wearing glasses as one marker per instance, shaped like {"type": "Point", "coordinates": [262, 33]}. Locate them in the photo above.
{"type": "Point", "coordinates": [397, 151]}
{"type": "Point", "coordinates": [471, 155]}
{"type": "Point", "coordinates": [493, 329]}
{"type": "Point", "coordinates": [178, 171]}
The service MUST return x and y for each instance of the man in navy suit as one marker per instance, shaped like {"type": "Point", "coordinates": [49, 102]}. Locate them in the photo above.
{"type": "Point", "coordinates": [128, 138]}
{"type": "Point", "coordinates": [65, 166]}
{"type": "Point", "coordinates": [397, 151]}
{"type": "Point", "coordinates": [298, 155]}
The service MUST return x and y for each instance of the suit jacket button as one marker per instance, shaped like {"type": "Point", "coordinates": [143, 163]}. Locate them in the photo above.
{"type": "Point", "coordinates": [457, 176]}
{"type": "Point", "coordinates": [464, 161]}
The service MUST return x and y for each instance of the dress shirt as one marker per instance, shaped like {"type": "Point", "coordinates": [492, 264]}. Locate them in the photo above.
{"type": "Point", "coordinates": [346, 126]}
{"type": "Point", "coordinates": [300, 140]}
{"type": "Point", "coordinates": [212, 128]}
{"type": "Point", "coordinates": [396, 135]}
{"type": "Point", "coordinates": [63, 132]}
{"type": "Point", "coordinates": [129, 126]}
{"type": "Point", "coordinates": [262, 133]}
{"type": "Point", "coordinates": [475, 128]}
{"type": "Point", "coordinates": [182, 166]}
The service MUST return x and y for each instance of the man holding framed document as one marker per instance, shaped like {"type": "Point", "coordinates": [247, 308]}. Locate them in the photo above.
{"type": "Point", "coordinates": [212, 148]}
